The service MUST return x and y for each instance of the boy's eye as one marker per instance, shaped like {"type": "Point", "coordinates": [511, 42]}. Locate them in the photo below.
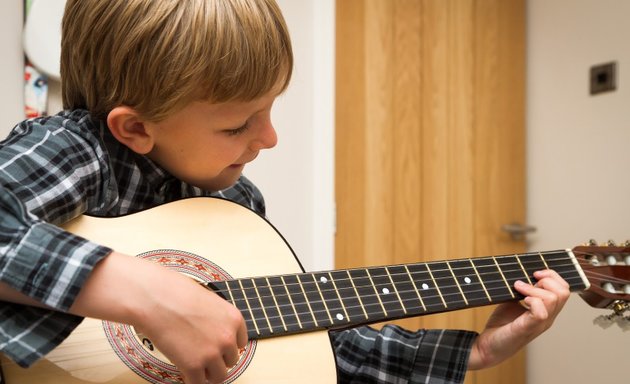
{"type": "Point", "coordinates": [238, 131]}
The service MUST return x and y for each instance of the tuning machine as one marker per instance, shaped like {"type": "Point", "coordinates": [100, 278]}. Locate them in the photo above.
{"type": "Point", "coordinates": [619, 307]}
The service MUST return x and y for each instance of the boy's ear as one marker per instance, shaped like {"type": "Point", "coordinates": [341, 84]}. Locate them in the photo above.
{"type": "Point", "coordinates": [130, 129]}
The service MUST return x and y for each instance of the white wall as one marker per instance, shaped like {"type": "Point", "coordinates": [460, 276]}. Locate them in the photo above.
{"type": "Point", "coordinates": [578, 157]}
{"type": "Point", "coordinates": [11, 65]}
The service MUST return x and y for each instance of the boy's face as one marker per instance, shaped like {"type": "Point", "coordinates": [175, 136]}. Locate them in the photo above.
{"type": "Point", "coordinates": [208, 145]}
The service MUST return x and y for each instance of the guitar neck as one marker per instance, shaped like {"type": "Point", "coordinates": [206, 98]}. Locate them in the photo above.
{"type": "Point", "coordinates": [287, 304]}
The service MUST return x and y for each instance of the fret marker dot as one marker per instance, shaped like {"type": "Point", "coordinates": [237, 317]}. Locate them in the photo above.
{"type": "Point", "coordinates": [339, 316]}
{"type": "Point", "coordinates": [385, 291]}
{"type": "Point", "coordinates": [425, 286]}
{"type": "Point", "coordinates": [323, 280]}
{"type": "Point", "coordinates": [467, 280]}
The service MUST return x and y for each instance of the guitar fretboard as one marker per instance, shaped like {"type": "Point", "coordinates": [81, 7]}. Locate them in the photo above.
{"type": "Point", "coordinates": [286, 304]}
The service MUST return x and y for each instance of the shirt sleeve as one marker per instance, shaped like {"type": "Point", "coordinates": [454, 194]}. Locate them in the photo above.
{"type": "Point", "coordinates": [46, 172]}
{"type": "Point", "coordinates": [394, 355]}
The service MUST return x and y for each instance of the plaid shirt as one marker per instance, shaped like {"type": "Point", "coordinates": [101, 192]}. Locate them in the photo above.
{"type": "Point", "coordinates": [56, 168]}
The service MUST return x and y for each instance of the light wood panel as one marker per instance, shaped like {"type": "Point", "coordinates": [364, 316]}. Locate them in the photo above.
{"type": "Point", "coordinates": [430, 138]}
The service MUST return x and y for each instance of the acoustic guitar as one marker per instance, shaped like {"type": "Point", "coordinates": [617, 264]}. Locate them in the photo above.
{"type": "Point", "coordinates": [240, 256]}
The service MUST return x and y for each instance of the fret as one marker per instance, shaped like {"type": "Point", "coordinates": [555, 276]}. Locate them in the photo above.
{"type": "Point", "coordinates": [446, 285]}
{"type": "Point", "coordinates": [330, 296]}
{"type": "Point", "coordinates": [262, 305]}
{"type": "Point", "coordinates": [386, 292]}
{"type": "Point", "coordinates": [334, 283]}
{"type": "Point", "coordinates": [542, 258]}
{"type": "Point", "coordinates": [427, 289]}
{"type": "Point", "coordinates": [481, 281]}
{"type": "Point", "coordinates": [315, 301]}
{"type": "Point", "coordinates": [376, 293]}
{"type": "Point", "coordinates": [511, 269]}
{"type": "Point", "coordinates": [563, 262]}
{"type": "Point", "coordinates": [391, 280]}
{"type": "Point", "coordinates": [532, 262]}
{"type": "Point", "coordinates": [493, 279]}
{"type": "Point", "coordinates": [349, 296]}
{"type": "Point", "coordinates": [457, 282]}
{"type": "Point", "coordinates": [520, 264]}
{"type": "Point", "coordinates": [300, 302]}
{"type": "Point", "coordinates": [407, 292]}
{"type": "Point", "coordinates": [276, 304]}
{"type": "Point", "coordinates": [469, 282]}
{"type": "Point", "coordinates": [319, 290]}
{"type": "Point", "coordinates": [268, 304]}
{"type": "Point", "coordinates": [367, 293]}
{"type": "Point", "coordinates": [415, 289]}
{"type": "Point", "coordinates": [253, 304]}
{"type": "Point", "coordinates": [246, 309]}
{"type": "Point", "coordinates": [290, 300]}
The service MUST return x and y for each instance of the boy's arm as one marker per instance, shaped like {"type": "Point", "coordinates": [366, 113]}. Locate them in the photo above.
{"type": "Point", "coordinates": [197, 330]}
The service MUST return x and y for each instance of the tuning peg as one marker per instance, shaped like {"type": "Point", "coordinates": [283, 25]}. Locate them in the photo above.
{"type": "Point", "coordinates": [619, 307]}
{"type": "Point", "coordinates": [592, 243]}
{"type": "Point", "coordinates": [611, 243]}
{"type": "Point", "coordinates": [626, 243]}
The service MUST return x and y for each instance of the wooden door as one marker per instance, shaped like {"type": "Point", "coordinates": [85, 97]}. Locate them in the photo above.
{"type": "Point", "coordinates": [430, 139]}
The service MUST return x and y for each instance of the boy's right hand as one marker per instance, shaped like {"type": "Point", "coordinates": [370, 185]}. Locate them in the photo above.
{"type": "Point", "coordinates": [195, 328]}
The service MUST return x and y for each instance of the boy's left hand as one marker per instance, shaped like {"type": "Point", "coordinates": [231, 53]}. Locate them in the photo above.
{"type": "Point", "coordinates": [512, 325]}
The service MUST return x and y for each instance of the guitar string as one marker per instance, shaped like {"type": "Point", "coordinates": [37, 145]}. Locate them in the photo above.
{"type": "Point", "coordinates": [432, 270]}
{"type": "Point", "coordinates": [321, 315]}
{"type": "Point", "coordinates": [310, 281]}
{"type": "Point", "coordinates": [373, 304]}
{"type": "Point", "coordinates": [425, 295]}
{"type": "Point", "coordinates": [427, 298]}
{"type": "Point", "coordinates": [284, 308]}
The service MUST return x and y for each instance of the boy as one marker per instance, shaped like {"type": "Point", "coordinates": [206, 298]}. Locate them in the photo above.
{"type": "Point", "coordinates": [166, 99]}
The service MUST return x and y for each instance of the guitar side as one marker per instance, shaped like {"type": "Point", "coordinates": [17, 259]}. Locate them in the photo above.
{"type": "Point", "coordinates": [235, 239]}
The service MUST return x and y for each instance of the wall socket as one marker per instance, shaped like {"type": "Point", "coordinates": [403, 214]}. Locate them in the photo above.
{"type": "Point", "coordinates": [603, 78]}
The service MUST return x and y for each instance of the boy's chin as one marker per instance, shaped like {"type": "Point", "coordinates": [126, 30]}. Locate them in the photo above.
{"type": "Point", "coordinates": [219, 183]}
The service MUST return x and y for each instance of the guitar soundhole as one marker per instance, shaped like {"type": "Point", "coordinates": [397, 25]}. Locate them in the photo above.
{"type": "Point", "coordinates": [140, 354]}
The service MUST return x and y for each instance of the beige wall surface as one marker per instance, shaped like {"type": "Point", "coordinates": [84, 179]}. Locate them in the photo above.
{"type": "Point", "coordinates": [578, 160]}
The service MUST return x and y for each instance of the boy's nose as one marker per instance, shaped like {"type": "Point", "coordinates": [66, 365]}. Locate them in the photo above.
{"type": "Point", "coordinates": [267, 138]}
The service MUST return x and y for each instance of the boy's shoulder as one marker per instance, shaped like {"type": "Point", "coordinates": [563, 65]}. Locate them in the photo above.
{"type": "Point", "coordinates": [76, 124]}
{"type": "Point", "coordinates": [78, 120]}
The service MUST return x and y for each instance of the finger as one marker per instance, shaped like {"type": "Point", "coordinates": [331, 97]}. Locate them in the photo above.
{"type": "Point", "coordinates": [557, 286]}
{"type": "Point", "coordinates": [537, 308]}
{"type": "Point", "coordinates": [551, 274]}
{"type": "Point", "coordinates": [548, 297]}
{"type": "Point", "coordinates": [241, 335]}
{"type": "Point", "coordinates": [231, 357]}
{"type": "Point", "coordinates": [194, 376]}
{"type": "Point", "coordinates": [216, 372]}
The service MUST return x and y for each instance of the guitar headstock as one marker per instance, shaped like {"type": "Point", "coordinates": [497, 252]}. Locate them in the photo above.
{"type": "Point", "coordinates": [607, 268]}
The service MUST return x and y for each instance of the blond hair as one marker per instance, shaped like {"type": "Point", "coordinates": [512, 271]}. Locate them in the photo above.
{"type": "Point", "coordinates": [159, 55]}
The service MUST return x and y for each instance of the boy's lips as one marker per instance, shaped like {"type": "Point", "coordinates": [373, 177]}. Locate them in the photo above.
{"type": "Point", "coordinates": [236, 165]}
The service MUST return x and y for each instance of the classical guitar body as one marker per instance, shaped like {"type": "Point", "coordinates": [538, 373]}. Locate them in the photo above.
{"type": "Point", "coordinates": [208, 239]}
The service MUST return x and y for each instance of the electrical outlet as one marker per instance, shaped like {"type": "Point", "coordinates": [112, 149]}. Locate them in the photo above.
{"type": "Point", "coordinates": [603, 78]}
